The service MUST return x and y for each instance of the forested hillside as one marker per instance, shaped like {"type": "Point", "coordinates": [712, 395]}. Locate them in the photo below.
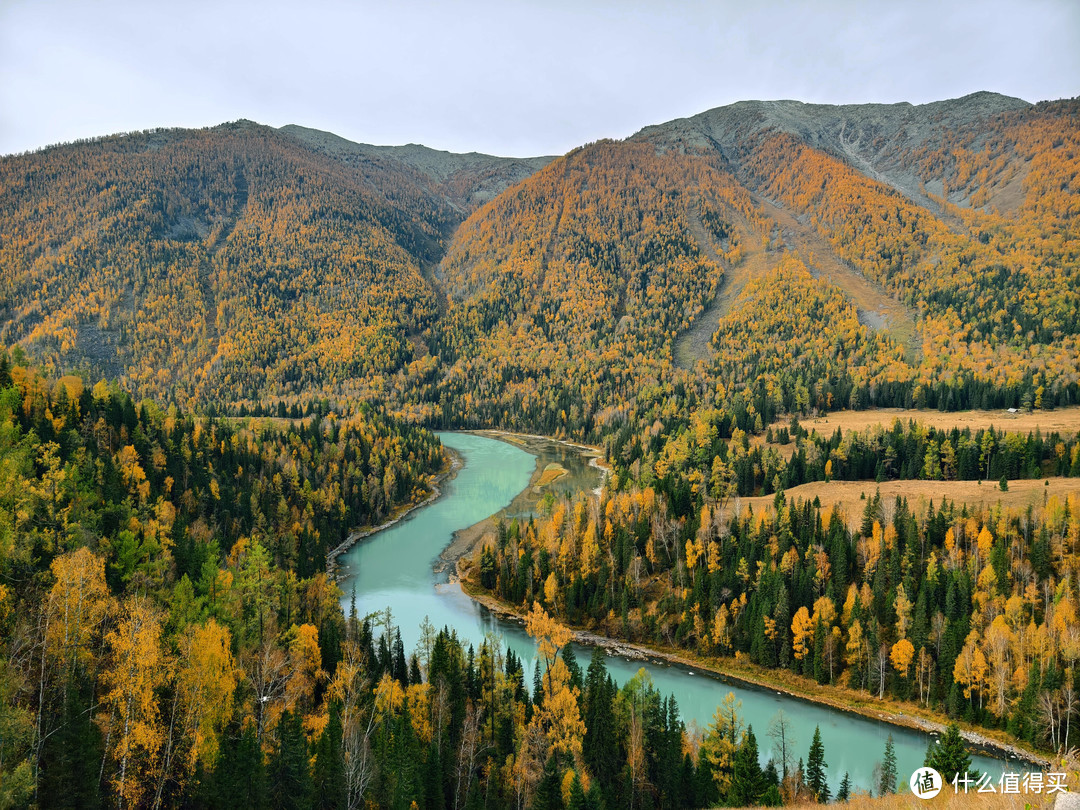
{"type": "Point", "coordinates": [223, 349]}
{"type": "Point", "coordinates": [178, 261]}
{"type": "Point", "coordinates": [969, 611]}
{"type": "Point", "coordinates": [226, 266]}
{"type": "Point", "coordinates": [569, 291]}
{"type": "Point", "coordinates": [566, 292]}
{"type": "Point", "coordinates": [170, 638]}
{"type": "Point", "coordinates": [162, 576]}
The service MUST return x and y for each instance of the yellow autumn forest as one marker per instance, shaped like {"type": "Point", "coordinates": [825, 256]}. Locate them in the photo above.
{"type": "Point", "coordinates": [225, 351]}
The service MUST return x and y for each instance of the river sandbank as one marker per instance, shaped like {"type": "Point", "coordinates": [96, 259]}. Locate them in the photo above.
{"type": "Point", "coordinates": [468, 542]}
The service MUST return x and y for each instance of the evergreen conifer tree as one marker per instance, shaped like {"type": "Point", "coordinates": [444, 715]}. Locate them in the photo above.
{"type": "Point", "coordinates": [432, 782]}
{"type": "Point", "coordinates": [887, 784]}
{"type": "Point", "coordinates": [687, 784]}
{"type": "Point", "coordinates": [594, 799]}
{"type": "Point", "coordinates": [290, 779]}
{"type": "Point", "coordinates": [949, 756]}
{"type": "Point", "coordinates": [815, 768]}
{"type": "Point", "coordinates": [577, 795]}
{"type": "Point", "coordinates": [572, 666]}
{"type": "Point", "coordinates": [747, 782]}
{"type": "Point", "coordinates": [549, 791]}
{"type": "Point", "coordinates": [399, 667]}
{"type": "Point", "coordinates": [706, 794]}
{"type": "Point", "coordinates": [769, 774]}
{"type": "Point", "coordinates": [844, 793]}
{"type": "Point", "coordinates": [68, 776]}
{"type": "Point", "coordinates": [239, 780]}
{"type": "Point", "coordinates": [329, 771]}
{"type": "Point", "coordinates": [538, 686]}
{"type": "Point", "coordinates": [771, 780]}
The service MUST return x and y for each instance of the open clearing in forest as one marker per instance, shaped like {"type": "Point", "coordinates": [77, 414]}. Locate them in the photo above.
{"type": "Point", "coordinates": [1060, 420]}
{"type": "Point", "coordinates": [850, 495]}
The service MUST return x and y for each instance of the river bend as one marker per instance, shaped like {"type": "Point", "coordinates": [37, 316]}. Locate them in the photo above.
{"type": "Point", "coordinates": [394, 568]}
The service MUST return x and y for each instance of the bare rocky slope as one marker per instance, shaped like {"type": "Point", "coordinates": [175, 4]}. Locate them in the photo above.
{"type": "Point", "coordinates": [465, 181]}
{"type": "Point", "coordinates": [877, 139]}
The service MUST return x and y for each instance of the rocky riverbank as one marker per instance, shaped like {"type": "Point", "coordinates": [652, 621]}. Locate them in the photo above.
{"type": "Point", "coordinates": [748, 675]}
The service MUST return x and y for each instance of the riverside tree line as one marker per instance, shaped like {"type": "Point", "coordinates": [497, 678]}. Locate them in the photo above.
{"type": "Point", "coordinates": [970, 612]}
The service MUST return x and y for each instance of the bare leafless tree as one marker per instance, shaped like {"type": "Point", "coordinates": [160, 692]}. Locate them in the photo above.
{"type": "Point", "coordinates": [1049, 710]}
{"type": "Point", "coordinates": [352, 688]}
{"type": "Point", "coordinates": [1069, 705]}
{"type": "Point", "coordinates": [780, 731]}
{"type": "Point", "coordinates": [882, 668]}
{"type": "Point", "coordinates": [266, 669]}
{"type": "Point", "coordinates": [468, 753]}
{"type": "Point", "coordinates": [530, 763]}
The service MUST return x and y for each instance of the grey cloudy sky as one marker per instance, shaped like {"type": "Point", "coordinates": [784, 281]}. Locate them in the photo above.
{"type": "Point", "coordinates": [510, 78]}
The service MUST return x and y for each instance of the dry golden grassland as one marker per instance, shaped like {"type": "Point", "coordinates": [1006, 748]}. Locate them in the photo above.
{"type": "Point", "coordinates": [1061, 420]}
{"type": "Point", "coordinates": [849, 496]}
{"type": "Point", "coordinates": [1065, 421]}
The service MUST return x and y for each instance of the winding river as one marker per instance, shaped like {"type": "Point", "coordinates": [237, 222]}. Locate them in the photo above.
{"type": "Point", "coordinates": [395, 568]}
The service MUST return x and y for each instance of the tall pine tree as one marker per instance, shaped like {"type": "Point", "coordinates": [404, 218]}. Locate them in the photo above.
{"type": "Point", "coordinates": [328, 778]}
{"type": "Point", "coordinates": [887, 783]}
{"type": "Point", "coordinates": [747, 781]}
{"type": "Point", "coordinates": [290, 779]}
{"type": "Point", "coordinates": [844, 793]}
{"type": "Point", "coordinates": [815, 769]}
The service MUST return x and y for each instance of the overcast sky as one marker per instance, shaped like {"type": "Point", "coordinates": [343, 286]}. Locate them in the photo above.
{"type": "Point", "coordinates": [508, 78]}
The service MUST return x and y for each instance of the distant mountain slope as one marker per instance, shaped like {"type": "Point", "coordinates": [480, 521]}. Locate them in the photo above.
{"type": "Point", "coordinates": [797, 256]}
{"type": "Point", "coordinates": [466, 181]}
{"type": "Point", "coordinates": [228, 264]}
{"type": "Point", "coordinates": [984, 243]}
{"type": "Point", "coordinates": [852, 282]}
{"type": "Point", "coordinates": [585, 269]}
{"type": "Point", "coordinates": [876, 139]}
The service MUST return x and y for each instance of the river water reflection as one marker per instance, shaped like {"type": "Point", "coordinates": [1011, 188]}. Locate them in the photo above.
{"type": "Point", "coordinates": [394, 569]}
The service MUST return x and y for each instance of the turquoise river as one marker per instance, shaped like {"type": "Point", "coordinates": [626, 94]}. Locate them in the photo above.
{"type": "Point", "coordinates": [395, 568]}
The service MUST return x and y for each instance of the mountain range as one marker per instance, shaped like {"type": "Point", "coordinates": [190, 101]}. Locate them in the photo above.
{"type": "Point", "coordinates": [803, 256]}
